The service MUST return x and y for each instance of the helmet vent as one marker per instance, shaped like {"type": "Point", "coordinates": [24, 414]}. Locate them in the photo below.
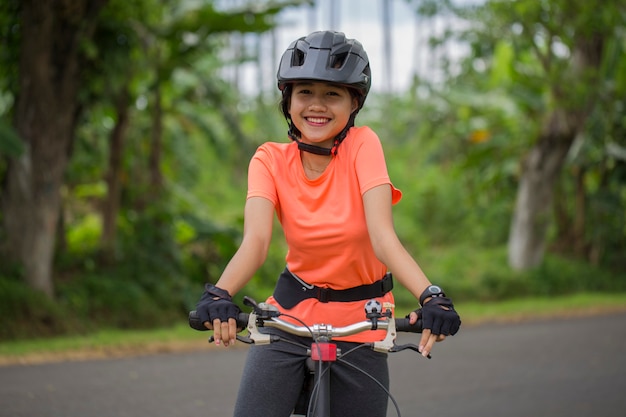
{"type": "Point", "coordinates": [298, 58]}
{"type": "Point", "coordinates": [339, 60]}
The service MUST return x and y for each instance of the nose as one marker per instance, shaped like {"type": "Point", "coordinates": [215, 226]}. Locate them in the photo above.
{"type": "Point", "coordinates": [317, 105]}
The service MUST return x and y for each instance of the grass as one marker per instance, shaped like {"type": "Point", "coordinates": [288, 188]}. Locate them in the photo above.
{"type": "Point", "coordinates": [104, 343]}
{"type": "Point", "coordinates": [98, 340]}
{"type": "Point", "coordinates": [116, 343]}
{"type": "Point", "coordinates": [533, 308]}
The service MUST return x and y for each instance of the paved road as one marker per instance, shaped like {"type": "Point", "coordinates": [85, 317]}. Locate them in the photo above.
{"type": "Point", "coordinates": [573, 368]}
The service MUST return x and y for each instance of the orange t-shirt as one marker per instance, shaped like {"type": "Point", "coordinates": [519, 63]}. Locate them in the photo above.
{"type": "Point", "coordinates": [324, 221]}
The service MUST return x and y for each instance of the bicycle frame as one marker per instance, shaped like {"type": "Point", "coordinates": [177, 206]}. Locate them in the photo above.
{"type": "Point", "coordinates": [323, 350]}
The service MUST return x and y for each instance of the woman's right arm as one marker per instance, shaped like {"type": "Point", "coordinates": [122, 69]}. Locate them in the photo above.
{"type": "Point", "coordinates": [257, 235]}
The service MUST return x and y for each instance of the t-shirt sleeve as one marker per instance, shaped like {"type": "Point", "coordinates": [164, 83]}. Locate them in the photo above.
{"type": "Point", "coordinates": [371, 167]}
{"type": "Point", "coordinates": [260, 178]}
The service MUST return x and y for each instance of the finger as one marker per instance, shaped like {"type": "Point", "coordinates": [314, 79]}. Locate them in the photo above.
{"type": "Point", "coordinates": [412, 317]}
{"type": "Point", "coordinates": [208, 325]}
{"type": "Point", "coordinates": [450, 325]}
{"type": "Point", "coordinates": [445, 327]}
{"type": "Point", "coordinates": [217, 331]}
{"type": "Point", "coordinates": [424, 340]}
{"type": "Point", "coordinates": [429, 345]}
{"type": "Point", "coordinates": [436, 329]}
{"type": "Point", "coordinates": [225, 333]}
{"type": "Point", "coordinates": [232, 330]}
{"type": "Point", "coordinates": [455, 327]}
{"type": "Point", "coordinates": [441, 338]}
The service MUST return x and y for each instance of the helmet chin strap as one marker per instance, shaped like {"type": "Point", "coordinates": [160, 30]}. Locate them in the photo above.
{"type": "Point", "coordinates": [318, 150]}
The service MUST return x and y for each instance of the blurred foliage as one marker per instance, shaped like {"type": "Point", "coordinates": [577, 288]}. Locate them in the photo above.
{"type": "Point", "coordinates": [453, 148]}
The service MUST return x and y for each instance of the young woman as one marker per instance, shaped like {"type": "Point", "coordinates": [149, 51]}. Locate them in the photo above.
{"type": "Point", "coordinates": [331, 191]}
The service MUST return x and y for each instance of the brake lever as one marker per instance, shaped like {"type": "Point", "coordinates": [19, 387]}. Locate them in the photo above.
{"type": "Point", "coordinates": [243, 339]}
{"type": "Point", "coordinates": [261, 312]}
{"type": "Point", "coordinates": [411, 346]}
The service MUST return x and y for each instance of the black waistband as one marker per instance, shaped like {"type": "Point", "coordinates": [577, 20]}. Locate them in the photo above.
{"type": "Point", "coordinates": [291, 290]}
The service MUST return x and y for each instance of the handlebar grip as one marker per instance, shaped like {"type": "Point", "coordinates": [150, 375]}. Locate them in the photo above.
{"type": "Point", "coordinates": [196, 324]}
{"type": "Point", "coordinates": [242, 320]}
{"type": "Point", "coordinates": [402, 325]}
{"type": "Point", "coordinates": [194, 321]}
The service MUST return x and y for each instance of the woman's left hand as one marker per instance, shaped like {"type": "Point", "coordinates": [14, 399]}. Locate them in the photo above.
{"type": "Point", "coordinates": [439, 318]}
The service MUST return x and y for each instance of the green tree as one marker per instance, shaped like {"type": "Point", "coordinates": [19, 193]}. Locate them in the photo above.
{"type": "Point", "coordinates": [569, 41]}
{"type": "Point", "coordinates": [56, 44]}
{"type": "Point", "coordinates": [51, 37]}
{"type": "Point", "coordinates": [556, 59]}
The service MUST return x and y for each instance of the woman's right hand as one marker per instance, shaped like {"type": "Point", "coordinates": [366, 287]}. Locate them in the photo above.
{"type": "Point", "coordinates": [224, 332]}
{"type": "Point", "coordinates": [217, 312]}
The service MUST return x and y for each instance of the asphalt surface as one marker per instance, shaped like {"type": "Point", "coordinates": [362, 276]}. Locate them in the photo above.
{"type": "Point", "coordinates": [573, 368]}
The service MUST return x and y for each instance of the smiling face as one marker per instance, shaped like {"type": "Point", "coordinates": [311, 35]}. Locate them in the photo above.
{"type": "Point", "coordinates": [320, 111]}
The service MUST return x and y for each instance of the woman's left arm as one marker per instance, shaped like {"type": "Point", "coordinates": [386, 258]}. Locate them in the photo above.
{"type": "Point", "coordinates": [387, 246]}
{"type": "Point", "coordinates": [390, 251]}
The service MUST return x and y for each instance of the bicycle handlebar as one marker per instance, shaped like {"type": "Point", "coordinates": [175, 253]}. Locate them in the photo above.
{"type": "Point", "coordinates": [401, 325]}
{"type": "Point", "coordinates": [264, 317]}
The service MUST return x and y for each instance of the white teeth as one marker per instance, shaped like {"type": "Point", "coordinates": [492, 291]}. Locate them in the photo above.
{"type": "Point", "coordinates": [317, 119]}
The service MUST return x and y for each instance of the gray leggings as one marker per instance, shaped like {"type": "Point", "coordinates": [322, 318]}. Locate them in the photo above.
{"type": "Point", "coordinates": [274, 374]}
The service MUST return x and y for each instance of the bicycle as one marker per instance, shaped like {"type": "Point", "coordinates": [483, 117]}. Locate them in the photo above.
{"type": "Point", "coordinates": [315, 401]}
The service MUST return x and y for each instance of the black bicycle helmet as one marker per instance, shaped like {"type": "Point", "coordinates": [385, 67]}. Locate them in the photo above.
{"type": "Point", "coordinates": [324, 56]}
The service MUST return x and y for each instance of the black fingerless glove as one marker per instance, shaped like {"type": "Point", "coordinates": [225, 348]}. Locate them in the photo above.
{"type": "Point", "coordinates": [216, 303]}
{"type": "Point", "coordinates": [438, 315]}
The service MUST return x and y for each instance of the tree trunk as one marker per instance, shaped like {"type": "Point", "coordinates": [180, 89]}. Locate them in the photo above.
{"type": "Point", "coordinates": [580, 214]}
{"type": "Point", "coordinates": [45, 117]}
{"type": "Point", "coordinates": [540, 170]}
{"type": "Point", "coordinates": [156, 145]}
{"type": "Point", "coordinates": [111, 204]}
